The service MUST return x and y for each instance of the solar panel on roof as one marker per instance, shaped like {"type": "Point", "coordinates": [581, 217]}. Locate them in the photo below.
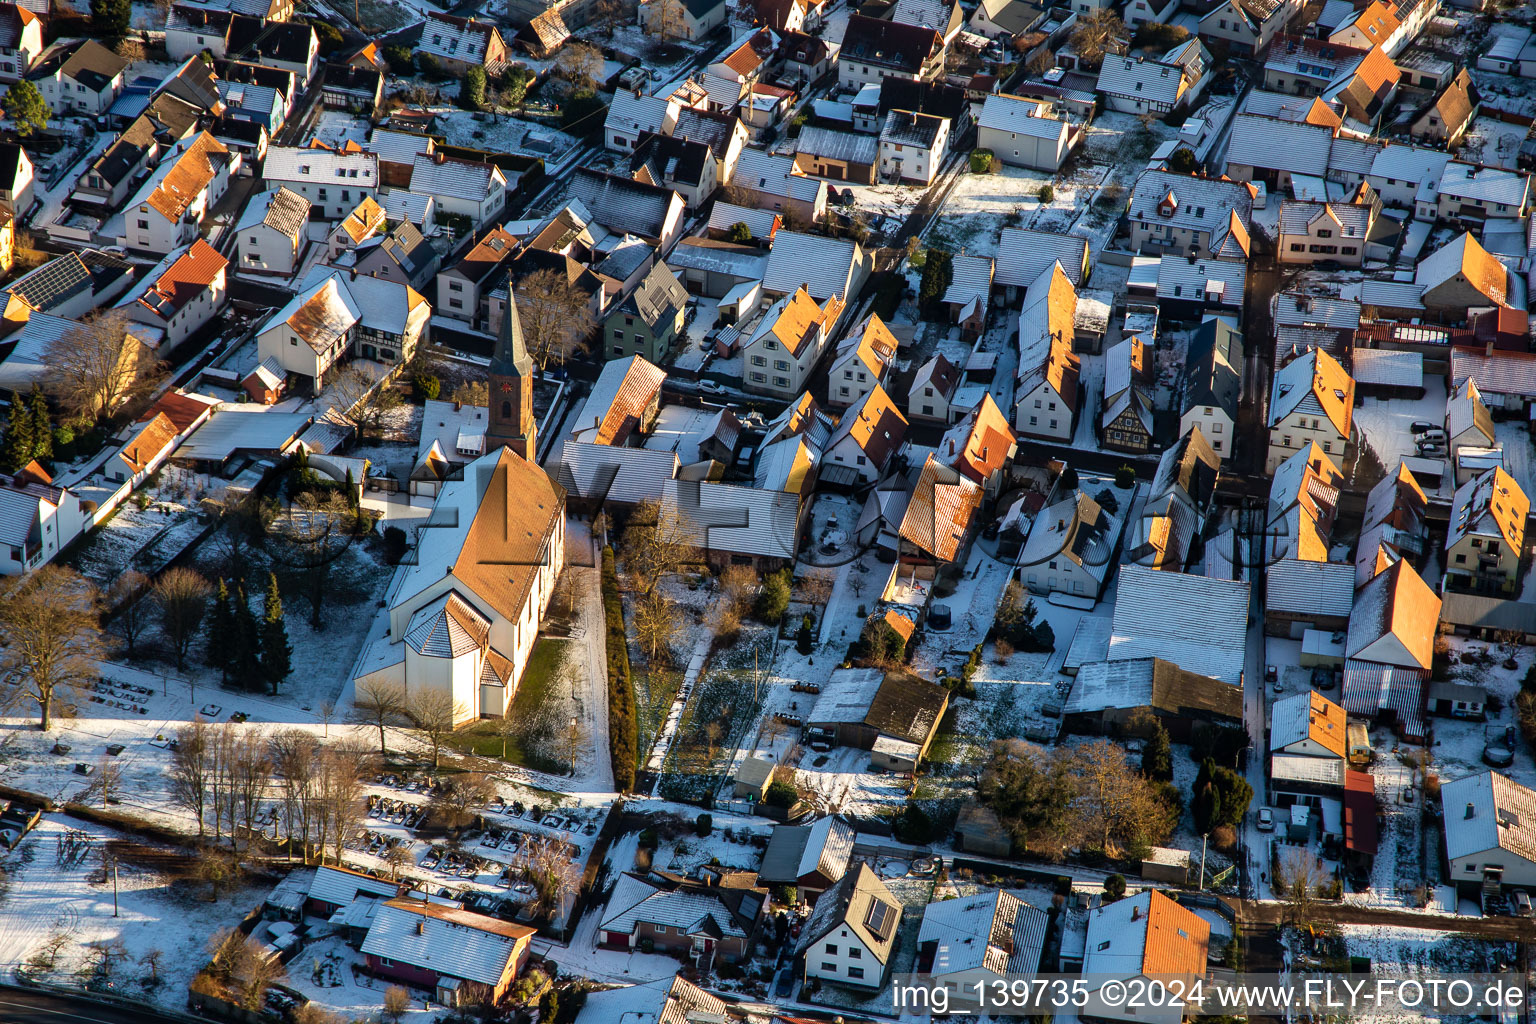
{"type": "Point", "coordinates": [879, 917]}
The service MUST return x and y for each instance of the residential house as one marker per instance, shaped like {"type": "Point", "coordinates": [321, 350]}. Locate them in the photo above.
{"type": "Point", "coordinates": [183, 294]}
{"type": "Point", "coordinates": [688, 168]}
{"type": "Point", "coordinates": [895, 717]}
{"type": "Point", "coordinates": [1389, 648]}
{"type": "Point", "coordinates": [673, 1000]}
{"type": "Point", "coordinates": [788, 343]}
{"type": "Point", "coordinates": [464, 288]}
{"type": "Point", "coordinates": [1071, 548]}
{"type": "Point", "coordinates": [969, 294]}
{"type": "Point", "coordinates": [1022, 133]}
{"type": "Point", "coordinates": [995, 19]}
{"type": "Point", "coordinates": [874, 49]}
{"type": "Point", "coordinates": [1447, 116]}
{"type": "Point", "coordinates": [623, 405]}
{"type": "Point", "coordinates": [682, 19]}
{"type": "Point", "coordinates": [1137, 85]}
{"type": "Point", "coordinates": [813, 858]}
{"type": "Point", "coordinates": [632, 114]}
{"type": "Point", "coordinates": [366, 220]}
{"type": "Point", "coordinates": [826, 268]}
{"type": "Point", "coordinates": [1201, 623]}
{"type": "Point", "coordinates": [462, 958]}
{"type": "Point", "coordinates": [1307, 747]}
{"type": "Point", "coordinates": [1364, 93]}
{"type": "Point", "coordinates": [713, 919]}
{"type": "Point", "coordinates": [807, 59]}
{"type": "Point", "coordinates": [1303, 503]}
{"type": "Point", "coordinates": [625, 206]}
{"type": "Point", "coordinates": [1472, 194]}
{"type": "Point", "coordinates": [68, 286]}
{"type": "Point", "coordinates": [16, 176]}
{"type": "Point", "coordinates": [730, 524]}
{"type": "Point", "coordinates": [841, 156]}
{"type": "Point", "coordinates": [773, 182]}
{"type": "Point", "coordinates": [1046, 406]}
{"type": "Point", "coordinates": [980, 445]}
{"type": "Point", "coordinates": [459, 44]}
{"type": "Point", "coordinates": [861, 363]}
{"type": "Point", "coordinates": [1146, 936]}
{"type": "Point", "coordinates": [333, 181]}
{"type": "Point", "coordinates": [1139, 13]}
{"type": "Point", "coordinates": [1125, 423]}
{"type": "Point", "coordinates": [932, 390]}
{"type": "Point", "coordinates": [272, 232]}
{"type": "Point", "coordinates": [1485, 543]}
{"type": "Point", "coordinates": [1213, 384]}
{"type": "Point", "coordinates": [1271, 149]}
{"type": "Point", "coordinates": [463, 188]}
{"type": "Point", "coordinates": [1177, 505]}
{"type": "Point", "coordinates": [469, 632]}
{"type": "Point", "coordinates": [79, 78]}
{"type": "Point", "coordinates": [1190, 215]}
{"type": "Point", "coordinates": [729, 80]}
{"type": "Point", "coordinates": [21, 41]}
{"type": "Point", "coordinates": [397, 153]}
{"type": "Point", "coordinates": [1247, 26]}
{"type": "Point", "coordinates": [335, 315]}
{"type": "Point", "coordinates": [1490, 833]}
{"type": "Point", "coordinates": [259, 104]}
{"type": "Point", "coordinates": [1395, 526]}
{"type": "Point", "coordinates": [724, 134]}
{"type": "Point", "coordinates": [866, 441]}
{"type": "Point", "coordinates": [650, 320]}
{"type": "Point", "coordinates": [122, 165]}
{"type": "Point", "coordinates": [1462, 274]}
{"type": "Point", "coordinates": [1024, 254]}
{"type": "Point", "coordinates": [980, 939]}
{"type": "Point", "coordinates": [912, 146]}
{"type": "Point", "coordinates": [1468, 424]}
{"type": "Point", "coordinates": [761, 225]}
{"type": "Point", "coordinates": [1313, 402]}
{"type": "Point", "coordinates": [170, 206]}
{"type": "Point", "coordinates": [1374, 24]}
{"type": "Point", "coordinates": [922, 519]}
{"type": "Point", "coordinates": [41, 520]}
{"type": "Point", "coordinates": [1314, 232]}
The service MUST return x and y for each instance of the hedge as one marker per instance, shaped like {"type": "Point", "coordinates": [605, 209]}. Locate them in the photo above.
{"type": "Point", "coordinates": [623, 733]}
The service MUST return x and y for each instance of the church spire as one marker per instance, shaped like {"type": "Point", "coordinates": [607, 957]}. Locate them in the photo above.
{"type": "Point", "coordinates": [511, 388]}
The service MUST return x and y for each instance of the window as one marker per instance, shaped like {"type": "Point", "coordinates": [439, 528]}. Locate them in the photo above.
{"type": "Point", "coordinates": [143, 224]}
{"type": "Point", "coordinates": [855, 972]}
{"type": "Point", "coordinates": [1327, 446]}
{"type": "Point", "coordinates": [780, 364]}
{"type": "Point", "coordinates": [1033, 420]}
{"type": "Point", "coordinates": [1298, 247]}
{"type": "Point", "coordinates": [759, 378]}
{"type": "Point", "coordinates": [1216, 428]}
{"type": "Point", "coordinates": [1285, 442]}
{"type": "Point", "coordinates": [759, 361]}
{"type": "Point", "coordinates": [1324, 232]}
{"type": "Point", "coordinates": [861, 460]}
{"type": "Point", "coordinates": [855, 953]}
{"type": "Point", "coordinates": [1053, 424]}
{"type": "Point", "coordinates": [455, 286]}
{"type": "Point", "coordinates": [782, 382]}
{"type": "Point", "coordinates": [831, 949]}
{"type": "Point", "coordinates": [1461, 559]}
{"type": "Point", "coordinates": [927, 410]}
{"type": "Point", "coordinates": [1347, 250]}
{"type": "Point", "coordinates": [829, 967]}
{"type": "Point", "coordinates": [661, 929]}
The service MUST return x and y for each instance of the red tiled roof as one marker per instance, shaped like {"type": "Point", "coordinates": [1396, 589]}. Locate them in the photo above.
{"type": "Point", "coordinates": [182, 409]}
{"type": "Point", "coordinates": [190, 275]}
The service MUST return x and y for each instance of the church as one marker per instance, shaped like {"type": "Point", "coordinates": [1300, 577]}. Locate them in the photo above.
{"type": "Point", "coordinates": [464, 606]}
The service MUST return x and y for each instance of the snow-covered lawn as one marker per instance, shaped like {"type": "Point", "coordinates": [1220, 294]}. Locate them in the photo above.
{"type": "Point", "coordinates": [1384, 423]}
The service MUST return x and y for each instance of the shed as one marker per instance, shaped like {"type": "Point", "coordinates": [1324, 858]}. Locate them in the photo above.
{"type": "Point", "coordinates": [753, 777]}
{"type": "Point", "coordinates": [1457, 700]}
{"type": "Point", "coordinates": [1322, 647]}
{"type": "Point", "coordinates": [1166, 865]}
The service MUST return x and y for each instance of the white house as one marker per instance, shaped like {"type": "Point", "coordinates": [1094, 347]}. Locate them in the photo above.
{"type": "Point", "coordinates": [332, 181]}
{"type": "Point", "coordinates": [21, 41]}
{"type": "Point", "coordinates": [474, 190]}
{"type": "Point", "coordinates": [862, 361]}
{"type": "Point", "coordinates": [1490, 831]}
{"type": "Point", "coordinates": [788, 343]}
{"type": "Point", "coordinates": [1307, 741]}
{"type": "Point", "coordinates": [867, 437]}
{"type": "Point", "coordinates": [170, 206]}
{"type": "Point", "coordinates": [16, 176]}
{"type": "Point", "coordinates": [1213, 384]}
{"type": "Point", "coordinates": [270, 235]}
{"type": "Point", "coordinates": [183, 293]}
{"type": "Point", "coordinates": [334, 315]}
{"type": "Point", "coordinates": [1046, 402]}
{"type": "Point", "coordinates": [84, 78]}
{"type": "Point", "coordinates": [463, 615]}
{"type": "Point", "coordinates": [1313, 401]}
{"type": "Point", "coordinates": [849, 937]}
{"type": "Point", "coordinates": [1147, 936]}
{"type": "Point", "coordinates": [1070, 548]}
{"type": "Point", "coordinates": [1248, 26]}
{"type": "Point", "coordinates": [912, 146]}
{"type": "Point", "coordinates": [633, 114]}
{"type": "Point", "coordinates": [1020, 132]}
{"type": "Point", "coordinates": [1137, 85]}
{"type": "Point", "coordinates": [39, 520]}
{"type": "Point", "coordinates": [933, 391]}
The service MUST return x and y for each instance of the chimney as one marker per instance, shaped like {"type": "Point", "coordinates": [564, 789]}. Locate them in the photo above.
{"type": "Point", "coordinates": [421, 927]}
{"type": "Point", "coordinates": [440, 157]}
{"type": "Point", "coordinates": [1488, 350]}
{"type": "Point", "coordinates": [1471, 811]}
{"type": "Point", "coordinates": [1136, 913]}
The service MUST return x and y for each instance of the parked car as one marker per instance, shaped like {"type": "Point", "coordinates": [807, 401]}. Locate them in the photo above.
{"type": "Point", "coordinates": [1266, 820]}
{"type": "Point", "coordinates": [1521, 901]}
{"type": "Point", "coordinates": [710, 387]}
{"type": "Point", "coordinates": [1420, 426]}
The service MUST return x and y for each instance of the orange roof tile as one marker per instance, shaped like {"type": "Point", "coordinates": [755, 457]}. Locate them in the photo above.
{"type": "Point", "coordinates": [1377, 70]}
{"type": "Point", "coordinates": [800, 319]}
{"type": "Point", "coordinates": [642, 382]}
{"type": "Point", "coordinates": [1483, 271]}
{"type": "Point", "coordinates": [1320, 113]}
{"type": "Point", "coordinates": [879, 426]}
{"type": "Point", "coordinates": [877, 345]}
{"type": "Point", "coordinates": [1326, 724]}
{"type": "Point", "coordinates": [148, 443]}
{"type": "Point", "coordinates": [903, 626]}
{"type": "Point", "coordinates": [940, 510]}
{"type": "Point", "coordinates": [189, 275]}
{"type": "Point", "coordinates": [189, 176]}
{"type": "Point", "coordinates": [502, 551]}
{"type": "Point", "coordinates": [1378, 22]}
{"type": "Point", "coordinates": [1335, 391]}
{"type": "Point", "coordinates": [1178, 940]}
{"type": "Point", "coordinates": [365, 218]}
{"type": "Point", "coordinates": [987, 445]}
{"type": "Point", "coordinates": [183, 409]}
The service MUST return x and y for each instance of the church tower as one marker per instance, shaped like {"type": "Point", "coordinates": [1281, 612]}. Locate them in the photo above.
{"type": "Point", "coordinates": [511, 389]}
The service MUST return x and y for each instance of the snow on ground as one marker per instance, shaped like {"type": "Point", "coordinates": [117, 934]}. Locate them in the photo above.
{"type": "Point", "coordinates": [45, 896]}
{"type": "Point", "coordinates": [1385, 422]}
{"type": "Point", "coordinates": [1393, 949]}
{"type": "Point", "coordinates": [139, 538]}
{"type": "Point", "coordinates": [501, 133]}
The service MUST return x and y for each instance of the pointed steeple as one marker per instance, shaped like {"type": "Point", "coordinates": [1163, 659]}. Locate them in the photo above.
{"type": "Point", "coordinates": [511, 388]}
{"type": "Point", "coordinates": [511, 355]}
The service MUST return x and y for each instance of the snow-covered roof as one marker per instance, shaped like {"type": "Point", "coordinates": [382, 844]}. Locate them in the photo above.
{"type": "Point", "coordinates": [1149, 80]}
{"type": "Point", "coordinates": [1024, 254]}
{"type": "Point", "coordinates": [340, 886]}
{"type": "Point", "coordinates": [449, 942]}
{"type": "Point", "coordinates": [824, 266]}
{"type": "Point", "coordinates": [1388, 367]}
{"type": "Point", "coordinates": [1202, 280]}
{"type": "Point", "coordinates": [1484, 184]}
{"type": "Point", "coordinates": [1306, 716]}
{"type": "Point", "coordinates": [1197, 623]}
{"type": "Point", "coordinates": [994, 931]}
{"type": "Point", "coordinates": [735, 519]}
{"type": "Point", "coordinates": [1310, 588]}
{"type": "Point", "coordinates": [1188, 201]}
{"type": "Point", "coordinates": [1488, 811]}
{"type": "Point", "coordinates": [1020, 116]}
{"type": "Point", "coordinates": [1271, 143]}
{"type": "Point", "coordinates": [321, 166]}
{"type": "Point", "coordinates": [457, 179]}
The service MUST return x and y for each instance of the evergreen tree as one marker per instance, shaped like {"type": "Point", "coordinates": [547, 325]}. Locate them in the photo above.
{"type": "Point", "coordinates": [1157, 755]}
{"type": "Point", "coordinates": [351, 486]}
{"type": "Point", "coordinates": [276, 651]}
{"type": "Point", "coordinates": [42, 425]}
{"type": "Point", "coordinates": [27, 108]}
{"type": "Point", "coordinates": [219, 634]}
{"type": "Point", "coordinates": [111, 17]}
{"type": "Point", "coordinates": [246, 668]}
{"type": "Point", "coordinates": [16, 449]}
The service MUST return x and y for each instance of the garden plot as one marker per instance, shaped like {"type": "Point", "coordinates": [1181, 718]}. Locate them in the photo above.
{"type": "Point", "coordinates": [501, 133]}
{"type": "Point", "coordinates": [336, 128]}
{"type": "Point", "coordinates": [332, 975]}
{"type": "Point", "coordinates": [1393, 950]}
{"type": "Point", "coordinates": [722, 709]}
{"type": "Point", "coordinates": [146, 530]}
{"type": "Point", "coordinates": [69, 902]}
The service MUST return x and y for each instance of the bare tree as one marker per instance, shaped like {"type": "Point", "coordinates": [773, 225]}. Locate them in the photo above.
{"type": "Point", "coordinates": [342, 797]}
{"type": "Point", "coordinates": [327, 712]}
{"type": "Point", "coordinates": [472, 392]}
{"type": "Point", "coordinates": [130, 614]}
{"type": "Point", "coordinates": [363, 396]}
{"type": "Point", "coordinates": [666, 18]}
{"type": "Point", "coordinates": [1094, 35]}
{"type": "Point", "coordinates": [250, 771]}
{"type": "Point", "coordinates": [239, 964]}
{"type": "Point", "coordinates": [97, 368]}
{"type": "Point", "coordinates": [1298, 875]}
{"type": "Point", "coordinates": [295, 755]}
{"type": "Point", "coordinates": [576, 736]}
{"type": "Point", "coordinates": [191, 770]}
{"type": "Point", "coordinates": [657, 543]}
{"type": "Point", "coordinates": [378, 704]}
{"type": "Point", "coordinates": [105, 782]}
{"type": "Point", "coordinates": [507, 729]}
{"type": "Point", "coordinates": [546, 866]}
{"type": "Point", "coordinates": [858, 583]}
{"type": "Point", "coordinates": [581, 66]}
{"type": "Point", "coordinates": [314, 1013]}
{"type": "Point", "coordinates": [315, 533]}
{"type": "Point", "coordinates": [398, 858]}
{"type": "Point", "coordinates": [1114, 800]}
{"type": "Point", "coordinates": [457, 799]}
{"type": "Point", "coordinates": [181, 597]}
{"type": "Point", "coordinates": [218, 867]}
{"type": "Point", "coordinates": [50, 631]}
{"type": "Point", "coordinates": [434, 715]}
{"type": "Point", "coordinates": [245, 520]}
{"type": "Point", "coordinates": [150, 961]}
{"type": "Point", "coordinates": [556, 316]}
{"type": "Point", "coordinates": [656, 626]}
{"type": "Point", "coordinates": [397, 1000]}
{"type": "Point", "coordinates": [816, 588]}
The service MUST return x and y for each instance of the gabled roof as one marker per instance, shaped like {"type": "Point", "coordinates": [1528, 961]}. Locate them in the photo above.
{"type": "Point", "coordinates": [940, 510]}
{"type": "Point", "coordinates": [1376, 20]}
{"type": "Point", "coordinates": [89, 63]}
{"type": "Point", "coordinates": [795, 321]}
{"type": "Point", "coordinates": [1199, 623]}
{"type": "Point", "coordinates": [1024, 254]}
{"type": "Point", "coordinates": [187, 277]}
{"type": "Point", "coordinates": [1307, 716]}
{"type": "Point", "coordinates": [994, 931]}
{"type": "Point", "coordinates": [623, 391]}
{"type": "Point", "coordinates": [624, 205]}
{"type": "Point", "coordinates": [658, 295]}
{"type": "Point", "coordinates": [980, 442]}
{"type": "Point", "coordinates": [1398, 603]}
{"type": "Point", "coordinates": [366, 218]}
{"type": "Point", "coordinates": [1490, 503]}
{"type": "Point", "coordinates": [1464, 256]}
{"type": "Point", "coordinates": [1146, 935]}
{"type": "Point", "coordinates": [861, 903]}
{"type": "Point", "coordinates": [152, 439]}
{"type": "Point", "coordinates": [1488, 811]}
{"type": "Point", "coordinates": [1213, 368]}
{"type": "Point", "coordinates": [184, 175]}
{"type": "Point", "coordinates": [1047, 325]}
{"type": "Point", "coordinates": [461, 39]}
{"type": "Point", "coordinates": [1319, 375]}
{"type": "Point", "coordinates": [445, 940]}
{"type": "Point", "coordinates": [823, 266]}
{"type": "Point", "coordinates": [875, 425]}
{"type": "Point", "coordinates": [1076, 528]}
{"type": "Point", "coordinates": [1464, 411]}
{"type": "Point", "coordinates": [1153, 81]}
{"type": "Point", "coordinates": [889, 43]}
